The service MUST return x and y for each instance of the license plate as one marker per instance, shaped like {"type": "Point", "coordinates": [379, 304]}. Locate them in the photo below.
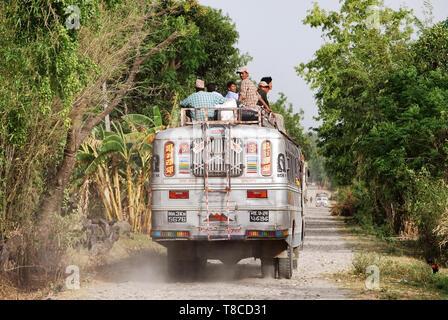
{"type": "Point", "coordinates": [177, 216]}
{"type": "Point", "coordinates": [259, 216]}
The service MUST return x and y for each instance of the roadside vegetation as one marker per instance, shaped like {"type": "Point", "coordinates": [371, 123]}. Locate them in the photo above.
{"type": "Point", "coordinates": [85, 86]}
{"type": "Point", "coordinates": [66, 66]}
{"type": "Point", "coordinates": [403, 271]}
{"type": "Point", "coordinates": [381, 86]}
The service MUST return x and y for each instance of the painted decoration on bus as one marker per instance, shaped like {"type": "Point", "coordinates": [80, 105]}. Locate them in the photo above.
{"type": "Point", "coordinates": [218, 217]}
{"type": "Point", "coordinates": [235, 147]}
{"type": "Point", "coordinates": [198, 147]}
{"type": "Point", "coordinates": [252, 148]}
{"type": "Point", "coordinates": [169, 159]}
{"type": "Point", "coordinates": [266, 158]}
{"type": "Point", "coordinates": [252, 158]}
{"type": "Point", "coordinates": [216, 132]}
{"type": "Point", "coordinates": [184, 158]}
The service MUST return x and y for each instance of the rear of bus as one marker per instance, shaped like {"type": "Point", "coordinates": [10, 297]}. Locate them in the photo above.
{"type": "Point", "coordinates": [264, 204]}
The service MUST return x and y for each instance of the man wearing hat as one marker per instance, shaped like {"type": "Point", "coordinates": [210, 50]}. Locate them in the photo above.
{"type": "Point", "coordinates": [263, 89]}
{"type": "Point", "coordinates": [268, 80]}
{"type": "Point", "coordinates": [249, 96]}
{"type": "Point", "coordinates": [202, 99]}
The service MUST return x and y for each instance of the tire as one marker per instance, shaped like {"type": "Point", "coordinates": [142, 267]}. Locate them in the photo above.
{"type": "Point", "coordinates": [286, 265]}
{"type": "Point", "coordinates": [296, 252]}
{"type": "Point", "coordinates": [268, 268]}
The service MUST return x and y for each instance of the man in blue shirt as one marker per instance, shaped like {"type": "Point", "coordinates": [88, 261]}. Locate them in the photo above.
{"type": "Point", "coordinates": [202, 99]}
{"type": "Point", "coordinates": [231, 86]}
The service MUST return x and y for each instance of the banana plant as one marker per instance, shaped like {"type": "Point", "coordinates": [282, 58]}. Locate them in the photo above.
{"type": "Point", "coordinates": [132, 152]}
{"type": "Point", "coordinates": [109, 190]}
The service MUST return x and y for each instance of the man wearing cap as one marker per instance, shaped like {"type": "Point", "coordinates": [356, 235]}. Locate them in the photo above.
{"type": "Point", "coordinates": [268, 80]}
{"type": "Point", "coordinates": [202, 99]}
{"type": "Point", "coordinates": [248, 95]}
{"type": "Point", "coordinates": [279, 121]}
{"type": "Point", "coordinates": [263, 89]}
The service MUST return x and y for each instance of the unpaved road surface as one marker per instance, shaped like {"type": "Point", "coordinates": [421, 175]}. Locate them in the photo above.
{"type": "Point", "coordinates": [144, 276]}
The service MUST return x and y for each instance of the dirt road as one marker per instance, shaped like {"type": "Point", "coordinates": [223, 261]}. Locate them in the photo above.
{"type": "Point", "coordinates": [144, 276]}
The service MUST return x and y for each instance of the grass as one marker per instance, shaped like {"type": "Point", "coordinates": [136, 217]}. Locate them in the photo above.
{"type": "Point", "coordinates": [403, 273]}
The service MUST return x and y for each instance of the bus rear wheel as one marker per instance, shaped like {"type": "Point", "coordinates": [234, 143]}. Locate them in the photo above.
{"type": "Point", "coordinates": [286, 265]}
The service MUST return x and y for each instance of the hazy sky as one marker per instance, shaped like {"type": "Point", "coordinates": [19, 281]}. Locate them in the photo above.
{"type": "Point", "coordinates": [273, 34]}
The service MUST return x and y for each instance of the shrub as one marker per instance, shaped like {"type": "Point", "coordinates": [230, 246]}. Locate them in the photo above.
{"type": "Point", "coordinates": [364, 259]}
{"type": "Point", "coordinates": [411, 270]}
{"type": "Point", "coordinates": [345, 205]}
{"type": "Point", "coordinates": [441, 283]}
{"type": "Point", "coordinates": [427, 201]}
{"type": "Point", "coordinates": [356, 201]}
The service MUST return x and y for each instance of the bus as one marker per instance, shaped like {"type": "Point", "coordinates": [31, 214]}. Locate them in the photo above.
{"type": "Point", "coordinates": [228, 190]}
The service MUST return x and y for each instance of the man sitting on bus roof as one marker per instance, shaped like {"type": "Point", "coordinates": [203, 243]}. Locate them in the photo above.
{"type": "Point", "coordinates": [202, 99]}
{"type": "Point", "coordinates": [249, 96]}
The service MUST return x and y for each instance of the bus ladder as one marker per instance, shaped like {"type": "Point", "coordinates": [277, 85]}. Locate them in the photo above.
{"type": "Point", "coordinates": [207, 158]}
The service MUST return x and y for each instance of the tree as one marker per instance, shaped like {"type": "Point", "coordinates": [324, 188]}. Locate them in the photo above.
{"type": "Point", "coordinates": [208, 52]}
{"type": "Point", "coordinates": [316, 163]}
{"type": "Point", "coordinates": [292, 122]}
{"type": "Point", "coordinates": [348, 74]}
{"type": "Point", "coordinates": [130, 47]}
{"type": "Point", "coordinates": [376, 88]}
{"type": "Point", "coordinates": [51, 98]}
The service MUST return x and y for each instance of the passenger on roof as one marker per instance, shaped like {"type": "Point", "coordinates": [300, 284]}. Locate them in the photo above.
{"type": "Point", "coordinates": [232, 94]}
{"type": "Point", "coordinates": [249, 96]}
{"type": "Point", "coordinates": [268, 80]}
{"type": "Point", "coordinates": [212, 88]}
{"type": "Point", "coordinates": [263, 89]}
{"type": "Point", "coordinates": [202, 99]}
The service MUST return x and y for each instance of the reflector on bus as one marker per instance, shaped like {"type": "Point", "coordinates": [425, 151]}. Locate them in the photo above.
{"type": "Point", "coordinates": [179, 194]}
{"type": "Point", "coordinates": [257, 194]}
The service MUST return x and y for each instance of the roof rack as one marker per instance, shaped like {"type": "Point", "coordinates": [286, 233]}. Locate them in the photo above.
{"type": "Point", "coordinates": [264, 119]}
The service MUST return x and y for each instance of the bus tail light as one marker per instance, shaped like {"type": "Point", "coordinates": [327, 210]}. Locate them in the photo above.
{"type": "Point", "coordinates": [179, 194]}
{"type": "Point", "coordinates": [169, 159]}
{"type": "Point", "coordinates": [266, 158]}
{"type": "Point", "coordinates": [256, 194]}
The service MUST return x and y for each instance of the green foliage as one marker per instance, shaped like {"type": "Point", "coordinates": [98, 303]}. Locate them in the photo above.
{"type": "Point", "coordinates": [292, 122]}
{"type": "Point", "coordinates": [123, 154]}
{"type": "Point", "coordinates": [416, 273]}
{"type": "Point", "coordinates": [207, 51]}
{"type": "Point", "coordinates": [316, 163]}
{"type": "Point", "coordinates": [41, 72]}
{"type": "Point", "coordinates": [357, 202]}
{"type": "Point", "coordinates": [382, 100]}
{"type": "Point", "coordinates": [427, 200]}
